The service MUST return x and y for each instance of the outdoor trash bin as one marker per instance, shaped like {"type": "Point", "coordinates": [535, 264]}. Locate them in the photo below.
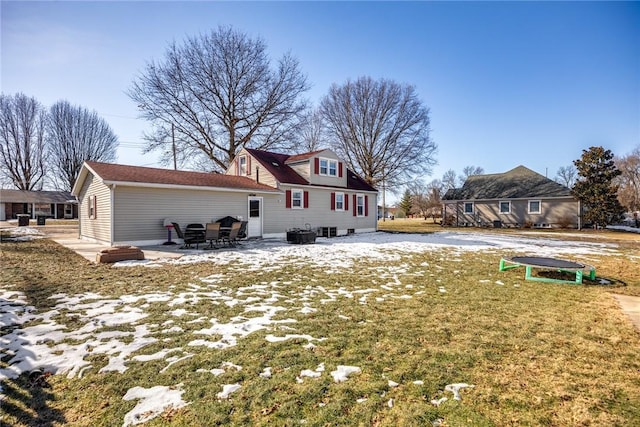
{"type": "Point", "coordinates": [42, 220]}
{"type": "Point", "coordinates": [23, 220]}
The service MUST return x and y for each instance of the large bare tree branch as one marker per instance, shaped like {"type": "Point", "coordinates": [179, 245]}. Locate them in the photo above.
{"type": "Point", "coordinates": [23, 152]}
{"type": "Point", "coordinates": [74, 135]}
{"type": "Point", "coordinates": [221, 94]}
{"type": "Point", "coordinates": [381, 129]}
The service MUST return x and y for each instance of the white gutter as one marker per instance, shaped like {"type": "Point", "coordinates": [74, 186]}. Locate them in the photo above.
{"type": "Point", "coordinates": [189, 187]}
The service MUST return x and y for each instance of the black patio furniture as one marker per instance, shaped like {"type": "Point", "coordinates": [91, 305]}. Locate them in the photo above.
{"type": "Point", "coordinates": [227, 222]}
{"type": "Point", "coordinates": [212, 233]}
{"type": "Point", "coordinates": [193, 234]}
{"type": "Point", "coordinates": [232, 237]}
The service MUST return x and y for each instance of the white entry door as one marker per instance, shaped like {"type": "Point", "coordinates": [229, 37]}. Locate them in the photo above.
{"type": "Point", "coordinates": [254, 228]}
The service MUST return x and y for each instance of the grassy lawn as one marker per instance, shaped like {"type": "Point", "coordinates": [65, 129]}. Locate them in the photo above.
{"type": "Point", "coordinates": [412, 323]}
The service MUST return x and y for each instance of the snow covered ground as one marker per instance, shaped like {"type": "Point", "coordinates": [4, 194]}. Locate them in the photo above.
{"type": "Point", "coordinates": [41, 340]}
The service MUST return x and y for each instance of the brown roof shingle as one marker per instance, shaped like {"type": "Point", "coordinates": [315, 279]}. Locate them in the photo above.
{"type": "Point", "coordinates": [139, 174]}
{"type": "Point", "coordinates": [23, 196]}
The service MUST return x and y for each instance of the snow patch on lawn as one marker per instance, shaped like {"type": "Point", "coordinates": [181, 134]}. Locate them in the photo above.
{"type": "Point", "coordinates": [152, 402]}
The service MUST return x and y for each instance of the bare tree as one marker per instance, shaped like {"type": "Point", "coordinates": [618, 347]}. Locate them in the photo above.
{"type": "Point", "coordinates": [426, 199]}
{"type": "Point", "coordinates": [468, 171]}
{"type": "Point", "coordinates": [311, 132]}
{"type": "Point", "coordinates": [566, 176]}
{"type": "Point", "coordinates": [220, 93]}
{"type": "Point", "coordinates": [75, 134]}
{"type": "Point", "coordinates": [629, 180]}
{"type": "Point", "coordinates": [22, 141]}
{"type": "Point", "coordinates": [449, 180]}
{"type": "Point", "coordinates": [381, 129]}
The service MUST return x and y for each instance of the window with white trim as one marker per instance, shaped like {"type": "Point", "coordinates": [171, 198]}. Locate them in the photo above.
{"type": "Point", "coordinates": [360, 205]}
{"type": "Point", "coordinates": [328, 167]}
{"type": "Point", "coordinates": [297, 199]}
{"type": "Point", "coordinates": [468, 207]}
{"type": "Point", "coordinates": [242, 165]}
{"type": "Point", "coordinates": [535, 207]}
{"type": "Point", "coordinates": [505, 207]}
{"type": "Point", "coordinates": [92, 207]}
{"type": "Point", "coordinates": [339, 201]}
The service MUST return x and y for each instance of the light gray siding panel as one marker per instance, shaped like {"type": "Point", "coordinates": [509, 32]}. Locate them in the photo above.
{"type": "Point", "coordinates": [258, 172]}
{"type": "Point", "coordinates": [303, 168]}
{"type": "Point", "coordinates": [140, 212]}
{"type": "Point", "coordinates": [331, 181]}
{"type": "Point", "coordinates": [98, 228]}
{"type": "Point", "coordinates": [554, 213]}
{"type": "Point", "coordinates": [278, 218]}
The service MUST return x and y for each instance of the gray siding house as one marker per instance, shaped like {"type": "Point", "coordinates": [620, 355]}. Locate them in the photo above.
{"type": "Point", "coordinates": [517, 198]}
{"type": "Point", "coordinates": [120, 204]}
{"type": "Point", "coordinates": [50, 204]}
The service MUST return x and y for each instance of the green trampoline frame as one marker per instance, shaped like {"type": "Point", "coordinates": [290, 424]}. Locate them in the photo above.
{"type": "Point", "coordinates": [580, 270]}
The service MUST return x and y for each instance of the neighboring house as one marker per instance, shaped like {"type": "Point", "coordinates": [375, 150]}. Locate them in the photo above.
{"type": "Point", "coordinates": [50, 204]}
{"type": "Point", "coordinates": [389, 211]}
{"type": "Point", "coordinates": [517, 198]}
{"type": "Point", "coordinates": [121, 204]}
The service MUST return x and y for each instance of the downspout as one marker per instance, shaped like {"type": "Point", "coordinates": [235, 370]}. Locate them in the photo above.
{"type": "Point", "coordinates": [111, 219]}
{"type": "Point", "coordinates": [579, 215]}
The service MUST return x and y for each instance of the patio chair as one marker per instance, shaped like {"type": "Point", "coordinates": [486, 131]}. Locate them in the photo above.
{"type": "Point", "coordinates": [212, 233]}
{"type": "Point", "coordinates": [233, 234]}
{"type": "Point", "coordinates": [188, 239]}
{"type": "Point", "coordinates": [242, 233]}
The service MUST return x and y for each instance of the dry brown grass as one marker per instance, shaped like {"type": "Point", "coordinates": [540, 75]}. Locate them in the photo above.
{"type": "Point", "coordinates": [537, 353]}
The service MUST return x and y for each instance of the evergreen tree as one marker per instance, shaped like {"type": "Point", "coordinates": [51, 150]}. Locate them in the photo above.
{"type": "Point", "coordinates": [406, 203]}
{"type": "Point", "coordinates": [595, 187]}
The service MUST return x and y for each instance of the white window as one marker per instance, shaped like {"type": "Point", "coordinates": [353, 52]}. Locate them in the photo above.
{"type": "Point", "coordinates": [333, 168]}
{"type": "Point", "coordinates": [92, 207]}
{"type": "Point", "coordinates": [328, 167]}
{"type": "Point", "coordinates": [360, 205]}
{"type": "Point", "coordinates": [505, 207]}
{"type": "Point", "coordinates": [468, 207]}
{"type": "Point", "coordinates": [242, 165]}
{"type": "Point", "coordinates": [339, 201]}
{"type": "Point", "coordinates": [535, 207]}
{"type": "Point", "coordinates": [296, 199]}
{"type": "Point", "coordinates": [43, 209]}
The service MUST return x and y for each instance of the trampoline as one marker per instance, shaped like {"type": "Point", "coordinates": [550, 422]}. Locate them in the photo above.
{"type": "Point", "coordinates": [560, 265]}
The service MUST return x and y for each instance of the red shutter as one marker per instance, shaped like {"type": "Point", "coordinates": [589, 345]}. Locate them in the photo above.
{"type": "Point", "coordinates": [316, 162]}
{"type": "Point", "coordinates": [306, 199]}
{"type": "Point", "coordinates": [355, 205]}
{"type": "Point", "coordinates": [333, 201]}
{"type": "Point", "coordinates": [237, 163]}
{"type": "Point", "coordinates": [346, 202]}
{"type": "Point", "coordinates": [366, 205]}
{"type": "Point", "coordinates": [340, 169]}
{"type": "Point", "coordinates": [288, 202]}
{"type": "Point", "coordinates": [248, 166]}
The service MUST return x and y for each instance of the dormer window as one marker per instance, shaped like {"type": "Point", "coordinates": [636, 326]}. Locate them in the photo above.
{"type": "Point", "coordinates": [328, 167]}
{"type": "Point", "coordinates": [242, 165]}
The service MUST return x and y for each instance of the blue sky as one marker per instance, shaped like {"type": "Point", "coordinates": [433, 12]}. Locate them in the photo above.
{"type": "Point", "coordinates": [507, 83]}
